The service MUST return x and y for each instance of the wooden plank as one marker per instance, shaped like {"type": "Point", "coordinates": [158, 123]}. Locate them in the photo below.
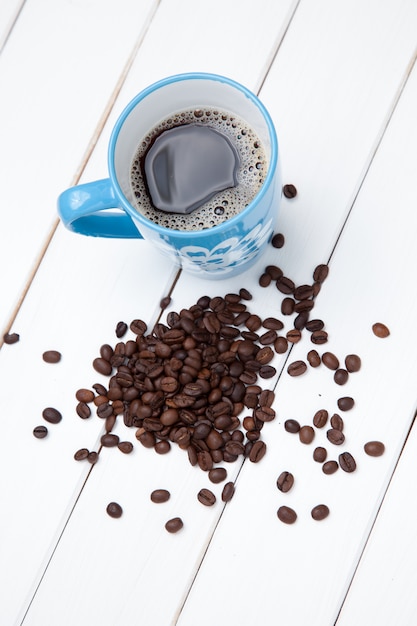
{"type": "Point", "coordinates": [58, 72]}
{"type": "Point", "coordinates": [83, 287]}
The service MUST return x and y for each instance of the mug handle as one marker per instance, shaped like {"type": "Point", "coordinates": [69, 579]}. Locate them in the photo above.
{"type": "Point", "coordinates": [82, 210]}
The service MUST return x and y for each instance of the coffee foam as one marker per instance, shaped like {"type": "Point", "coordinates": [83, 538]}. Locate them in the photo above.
{"type": "Point", "coordinates": [224, 205]}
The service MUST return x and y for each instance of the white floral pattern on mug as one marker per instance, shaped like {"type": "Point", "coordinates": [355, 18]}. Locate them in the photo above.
{"type": "Point", "coordinates": [228, 254]}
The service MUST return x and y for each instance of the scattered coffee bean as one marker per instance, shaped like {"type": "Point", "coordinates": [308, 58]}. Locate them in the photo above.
{"type": "Point", "coordinates": [294, 335]}
{"type": "Point", "coordinates": [320, 273]}
{"type": "Point", "coordinates": [286, 515]}
{"type": "Point", "coordinates": [341, 376]}
{"type": "Point", "coordinates": [320, 512]}
{"type": "Point", "coordinates": [264, 280]}
{"type": "Point", "coordinates": [51, 356]}
{"type": "Point", "coordinates": [206, 497]}
{"type": "Point", "coordinates": [165, 302]}
{"type": "Point", "coordinates": [287, 306]}
{"type": "Point", "coordinates": [278, 240]}
{"type": "Point", "coordinates": [160, 495]}
{"type": "Point", "coordinates": [125, 446]}
{"type": "Point", "coordinates": [320, 454]}
{"type": "Point", "coordinates": [83, 410]}
{"type": "Point", "coordinates": [346, 403]}
{"type": "Point", "coordinates": [330, 360]}
{"type": "Point", "coordinates": [281, 345]}
{"type": "Point", "coordinates": [353, 363]}
{"type": "Point", "coordinates": [11, 338]}
{"type": "Point", "coordinates": [336, 421]}
{"type": "Point", "coordinates": [174, 525]}
{"type": "Point", "coordinates": [330, 467]}
{"type": "Point", "coordinates": [292, 426]}
{"type": "Point", "coordinates": [289, 190]}
{"type": "Point", "coordinates": [380, 330]}
{"type": "Point", "coordinates": [319, 337]}
{"type": "Point", "coordinates": [81, 454]}
{"type": "Point", "coordinates": [257, 451]}
{"type": "Point", "coordinates": [40, 432]}
{"type": "Point", "coordinates": [285, 285]}
{"type": "Point", "coordinates": [320, 418]}
{"type": "Point", "coordinates": [296, 368]}
{"type": "Point", "coordinates": [162, 447]}
{"type": "Point", "coordinates": [121, 329]}
{"type": "Point", "coordinates": [285, 481]}
{"type": "Point", "coordinates": [217, 475]}
{"type": "Point", "coordinates": [102, 366]}
{"type": "Point", "coordinates": [109, 440]}
{"type": "Point", "coordinates": [51, 415]}
{"type": "Point", "coordinates": [336, 437]}
{"type": "Point", "coordinates": [315, 324]}
{"type": "Point", "coordinates": [114, 510]}
{"type": "Point", "coordinates": [347, 462]}
{"type": "Point", "coordinates": [313, 358]}
{"type": "Point", "coordinates": [306, 434]}
{"type": "Point", "coordinates": [374, 448]}
{"type": "Point", "coordinates": [92, 457]}
{"type": "Point", "coordinates": [228, 492]}
{"type": "Point", "coordinates": [84, 395]}
{"type": "Point", "coordinates": [272, 323]}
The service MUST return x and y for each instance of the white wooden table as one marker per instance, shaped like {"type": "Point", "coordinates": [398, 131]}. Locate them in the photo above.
{"type": "Point", "coordinates": [340, 81]}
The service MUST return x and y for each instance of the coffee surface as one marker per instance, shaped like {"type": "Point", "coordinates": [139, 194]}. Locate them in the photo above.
{"type": "Point", "coordinates": [248, 177]}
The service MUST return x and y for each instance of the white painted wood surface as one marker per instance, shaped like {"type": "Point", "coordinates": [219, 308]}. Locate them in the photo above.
{"type": "Point", "coordinates": [340, 83]}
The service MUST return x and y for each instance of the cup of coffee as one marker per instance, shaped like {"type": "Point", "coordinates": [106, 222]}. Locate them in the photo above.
{"type": "Point", "coordinates": [194, 169]}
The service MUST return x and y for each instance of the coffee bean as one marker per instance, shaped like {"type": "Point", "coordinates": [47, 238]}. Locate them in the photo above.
{"type": "Point", "coordinates": [278, 240]}
{"type": "Point", "coordinates": [380, 330]}
{"type": "Point", "coordinates": [296, 368]}
{"type": "Point", "coordinates": [330, 467]}
{"type": "Point", "coordinates": [217, 475]}
{"type": "Point", "coordinates": [265, 280]}
{"type": "Point", "coordinates": [281, 345]}
{"type": "Point", "coordinates": [320, 273]}
{"type": "Point", "coordinates": [84, 395]}
{"type": "Point", "coordinates": [294, 335]}
{"type": "Point", "coordinates": [83, 410]}
{"type": "Point", "coordinates": [374, 448]}
{"type": "Point", "coordinates": [121, 329]}
{"type": "Point", "coordinates": [319, 337]}
{"type": "Point", "coordinates": [300, 320]}
{"type": "Point", "coordinates": [114, 509]}
{"type": "Point", "coordinates": [125, 446]}
{"type": "Point", "coordinates": [320, 512]}
{"type": "Point", "coordinates": [285, 285]}
{"type": "Point", "coordinates": [353, 363]}
{"type": "Point", "coordinates": [160, 495]}
{"type": "Point", "coordinates": [102, 366]}
{"type": "Point", "coordinates": [109, 440]}
{"type": "Point", "coordinates": [40, 432]}
{"type": "Point", "coordinates": [347, 462]}
{"type": "Point", "coordinates": [292, 426]}
{"type": "Point", "coordinates": [346, 403]}
{"type": "Point", "coordinates": [162, 447]}
{"type": "Point", "coordinates": [272, 323]}
{"type": "Point", "coordinates": [320, 418]}
{"type": "Point", "coordinates": [336, 437]}
{"type": "Point", "coordinates": [268, 338]}
{"type": "Point", "coordinates": [51, 415]}
{"type": "Point", "coordinates": [265, 355]}
{"type": "Point", "coordinates": [341, 376]}
{"type": "Point", "coordinates": [287, 306]}
{"type": "Point", "coordinates": [81, 454]}
{"type": "Point", "coordinates": [286, 515]}
{"type": "Point", "coordinates": [228, 492]}
{"type": "Point", "coordinates": [285, 481]}
{"type": "Point", "coordinates": [11, 338]}
{"type": "Point", "coordinates": [315, 324]}
{"type": "Point", "coordinates": [306, 434]}
{"type": "Point", "coordinates": [267, 371]}
{"type": "Point", "coordinates": [289, 191]}
{"type": "Point", "coordinates": [320, 454]}
{"type": "Point", "coordinates": [245, 294]}
{"type": "Point", "coordinates": [336, 421]}
{"type": "Point", "coordinates": [51, 356]}
{"type": "Point", "coordinates": [92, 457]}
{"type": "Point", "coordinates": [330, 360]}
{"type": "Point", "coordinates": [313, 358]}
{"type": "Point", "coordinates": [274, 271]}
{"type": "Point", "coordinates": [303, 306]}
{"type": "Point", "coordinates": [165, 302]}
{"type": "Point", "coordinates": [206, 497]}
{"type": "Point", "coordinates": [138, 327]}
{"type": "Point", "coordinates": [174, 525]}
{"type": "Point", "coordinates": [257, 451]}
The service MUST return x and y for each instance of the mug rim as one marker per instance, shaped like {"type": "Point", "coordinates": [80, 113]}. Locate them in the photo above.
{"type": "Point", "coordinates": [227, 224]}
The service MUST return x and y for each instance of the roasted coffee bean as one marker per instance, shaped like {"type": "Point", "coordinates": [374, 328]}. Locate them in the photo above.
{"type": "Point", "coordinates": [313, 358]}
{"type": "Point", "coordinates": [320, 273]}
{"type": "Point", "coordinates": [253, 323]}
{"type": "Point", "coordinates": [40, 432]}
{"type": "Point", "coordinates": [272, 323]}
{"type": "Point", "coordinates": [81, 454]}
{"type": "Point", "coordinates": [92, 457]}
{"type": "Point", "coordinates": [174, 525]}
{"type": "Point", "coordinates": [121, 329]}
{"type": "Point", "coordinates": [114, 510]}
{"type": "Point", "coordinates": [274, 271]}
{"type": "Point", "coordinates": [320, 418]}
{"type": "Point", "coordinates": [294, 335]}
{"type": "Point", "coordinates": [306, 434]}
{"type": "Point", "coordinates": [303, 306]}
{"type": "Point", "coordinates": [315, 324]}
{"type": "Point", "coordinates": [265, 355]}
{"type": "Point", "coordinates": [160, 495]}
{"type": "Point", "coordinates": [303, 292]}
{"type": "Point", "coordinates": [51, 356]}
{"type": "Point", "coordinates": [100, 389]}
{"type": "Point", "coordinates": [109, 440]}
{"type": "Point", "coordinates": [285, 285]}
{"type": "Point", "coordinates": [285, 481]}
{"type": "Point", "coordinates": [330, 467]}
{"type": "Point", "coordinates": [353, 363]}
{"type": "Point", "coordinates": [347, 462]}
{"type": "Point", "coordinates": [319, 336]}
{"type": "Point", "coordinates": [287, 515]}
{"type": "Point", "coordinates": [374, 448]}
{"type": "Point", "coordinates": [320, 512]}
{"type": "Point", "coordinates": [245, 294]}
{"type": "Point", "coordinates": [11, 338]}
{"type": "Point", "coordinates": [264, 280]}
{"type": "Point", "coordinates": [257, 451]}
{"type": "Point", "coordinates": [267, 371]}
{"type": "Point", "coordinates": [281, 345]}
{"type": "Point", "coordinates": [138, 327]}
{"type": "Point", "coordinates": [217, 475]}
{"type": "Point", "coordinates": [278, 240]}
{"type": "Point", "coordinates": [336, 421]}
{"type": "Point", "coordinates": [106, 352]}
{"type": "Point", "coordinates": [292, 426]}
{"type": "Point", "coordinates": [166, 301]}
{"type": "Point", "coordinates": [289, 191]}
{"type": "Point", "coordinates": [205, 460]}
{"type": "Point", "coordinates": [380, 330]}
{"type": "Point", "coordinates": [346, 403]}
{"type": "Point", "coordinates": [300, 320]}
{"type": "Point", "coordinates": [296, 368]}
{"type": "Point", "coordinates": [265, 414]}
{"type": "Point", "coordinates": [102, 366]}
{"type": "Point", "coordinates": [287, 306]}
{"type": "Point", "coordinates": [228, 492]}
{"type": "Point", "coordinates": [104, 410]}
{"type": "Point", "coordinates": [84, 395]}
{"type": "Point", "coordinates": [320, 454]}
{"type": "Point", "coordinates": [162, 447]}
{"type": "Point", "coordinates": [268, 338]}
{"type": "Point", "coordinates": [206, 497]}
{"type": "Point", "coordinates": [266, 398]}
{"type": "Point", "coordinates": [51, 415]}
{"type": "Point", "coordinates": [83, 410]}
{"type": "Point", "coordinates": [125, 446]}
{"type": "Point", "coordinates": [146, 438]}
{"type": "Point", "coordinates": [341, 376]}
{"type": "Point", "coordinates": [336, 437]}
{"type": "Point", "coordinates": [330, 360]}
